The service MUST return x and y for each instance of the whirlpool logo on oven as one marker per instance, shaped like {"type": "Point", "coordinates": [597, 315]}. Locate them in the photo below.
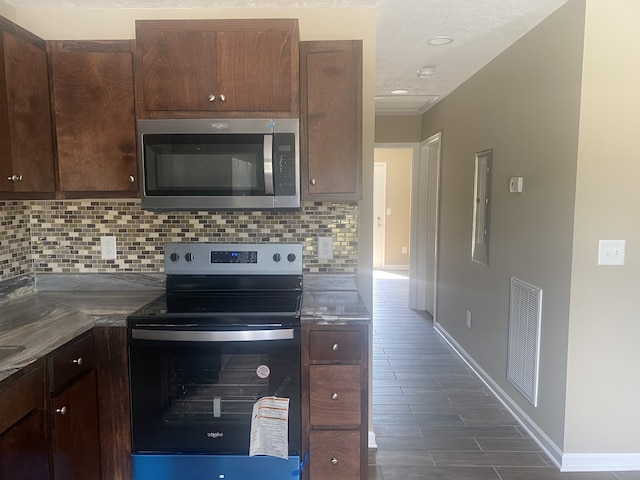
{"type": "Point", "coordinates": [215, 434]}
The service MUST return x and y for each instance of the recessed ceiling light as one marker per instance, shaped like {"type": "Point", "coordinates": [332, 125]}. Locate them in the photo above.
{"type": "Point", "coordinates": [426, 72]}
{"type": "Point", "coordinates": [399, 91]}
{"type": "Point", "coordinates": [440, 40]}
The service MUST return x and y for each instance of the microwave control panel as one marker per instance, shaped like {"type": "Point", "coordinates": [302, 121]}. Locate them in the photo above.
{"type": "Point", "coordinates": [284, 160]}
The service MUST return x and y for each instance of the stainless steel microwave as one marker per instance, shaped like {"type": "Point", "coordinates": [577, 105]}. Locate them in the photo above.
{"type": "Point", "coordinates": [211, 164]}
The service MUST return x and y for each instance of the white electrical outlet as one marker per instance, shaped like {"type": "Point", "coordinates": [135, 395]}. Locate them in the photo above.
{"type": "Point", "coordinates": [325, 248]}
{"type": "Point", "coordinates": [108, 247]}
{"type": "Point", "coordinates": [468, 319]}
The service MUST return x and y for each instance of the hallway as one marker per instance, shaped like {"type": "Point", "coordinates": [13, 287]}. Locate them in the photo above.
{"type": "Point", "coordinates": [433, 418]}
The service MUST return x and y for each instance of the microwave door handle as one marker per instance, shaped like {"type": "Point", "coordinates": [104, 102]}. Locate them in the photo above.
{"type": "Point", "coordinates": [212, 336]}
{"type": "Point", "coordinates": [268, 164]}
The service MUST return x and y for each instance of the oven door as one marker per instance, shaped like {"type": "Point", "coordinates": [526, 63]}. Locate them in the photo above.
{"type": "Point", "coordinates": [192, 391]}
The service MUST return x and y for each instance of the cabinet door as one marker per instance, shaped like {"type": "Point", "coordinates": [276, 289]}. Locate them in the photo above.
{"type": "Point", "coordinates": [76, 453]}
{"type": "Point", "coordinates": [254, 71]}
{"type": "Point", "coordinates": [331, 119]}
{"type": "Point", "coordinates": [334, 455]}
{"type": "Point", "coordinates": [26, 149]}
{"type": "Point", "coordinates": [334, 392]}
{"type": "Point", "coordinates": [92, 97]}
{"type": "Point", "coordinates": [200, 68]}
{"type": "Point", "coordinates": [177, 67]}
{"type": "Point", "coordinates": [24, 454]}
{"type": "Point", "coordinates": [23, 450]}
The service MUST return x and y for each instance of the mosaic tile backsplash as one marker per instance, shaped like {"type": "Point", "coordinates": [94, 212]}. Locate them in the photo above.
{"type": "Point", "coordinates": [15, 240]}
{"type": "Point", "coordinates": [63, 236]}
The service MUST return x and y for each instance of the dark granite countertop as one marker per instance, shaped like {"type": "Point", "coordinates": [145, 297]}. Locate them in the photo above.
{"type": "Point", "coordinates": [62, 308]}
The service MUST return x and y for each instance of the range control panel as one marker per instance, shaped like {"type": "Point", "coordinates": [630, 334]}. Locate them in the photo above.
{"type": "Point", "coordinates": [190, 258]}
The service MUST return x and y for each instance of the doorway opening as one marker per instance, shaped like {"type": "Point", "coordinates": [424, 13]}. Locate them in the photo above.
{"type": "Point", "coordinates": [393, 164]}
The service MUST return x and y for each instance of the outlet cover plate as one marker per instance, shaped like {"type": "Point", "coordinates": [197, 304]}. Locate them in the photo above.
{"type": "Point", "coordinates": [108, 247]}
{"type": "Point", "coordinates": [325, 248]}
{"type": "Point", "coordinates": [611, 252]}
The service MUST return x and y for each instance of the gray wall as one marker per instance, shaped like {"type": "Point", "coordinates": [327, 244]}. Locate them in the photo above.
{"type": "Point", "coordinates": [524, 105]}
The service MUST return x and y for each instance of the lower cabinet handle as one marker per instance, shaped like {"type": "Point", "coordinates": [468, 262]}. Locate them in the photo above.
{"type": "Point", "coordinates": [62, 411]}
{"type": "Point", "coordinates": [334, 461]}
{"type": "Point", "coordinates": [78, 361]}
{"type": "Point", "coordinates": [131, 179]}
{"type": "Point", "coordinates": [334, 396]}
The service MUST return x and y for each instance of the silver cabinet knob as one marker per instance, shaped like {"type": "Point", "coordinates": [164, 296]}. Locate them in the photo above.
{"type": "Point", "coordinates": [334, 396]}
{"type": "Point", "coordinates": [335, 347]}
{"type": "Point", "coordinates": [212, 98]}
{"type": "Point", "coordinates": [62, 411]}
{"type": "Point", "coordinates": [132, 179]}
{"type": "Point", "coordinates": [312, 181]}
{"type": "Point", "coordinates": [78, 361]}
{"type": "Point", "coordinates": [334, 461]}
{"type": "Point", "coordinates": [222, 98]}
{"type": "Point", "coordinates": [15, 178]}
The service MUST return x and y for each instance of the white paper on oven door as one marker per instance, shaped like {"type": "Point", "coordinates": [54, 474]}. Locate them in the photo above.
{"type": "Point", "coordinates": [270, 428]}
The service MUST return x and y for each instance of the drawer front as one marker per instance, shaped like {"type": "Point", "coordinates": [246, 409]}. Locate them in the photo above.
{"type": "Point", "coordinates": [71, 362]}
{"type": "Point", "coordinates": [335, 345]}
{"type": "Point", "coordinates": [20, 398]}
{"type": "Point", "coordinates": [334, 455]}
{"type": "Point", "coordinates": [335, 395]}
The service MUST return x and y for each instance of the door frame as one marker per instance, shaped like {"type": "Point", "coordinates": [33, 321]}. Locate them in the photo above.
{"type": "Point", "coordinates": [425, 198]}
{"type": "Point", "coordinates": [379, 244]}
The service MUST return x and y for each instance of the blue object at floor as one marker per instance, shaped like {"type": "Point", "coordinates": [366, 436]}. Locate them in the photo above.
{"type": "Point", "coordinates": [213, 467]}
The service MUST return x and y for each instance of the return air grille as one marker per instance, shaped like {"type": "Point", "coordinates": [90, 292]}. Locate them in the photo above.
{"type": "Point", "coordinates": [524, 338]}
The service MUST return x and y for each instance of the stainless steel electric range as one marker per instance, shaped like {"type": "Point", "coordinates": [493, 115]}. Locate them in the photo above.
{"type": "Point", "coordinates": [225, 334]}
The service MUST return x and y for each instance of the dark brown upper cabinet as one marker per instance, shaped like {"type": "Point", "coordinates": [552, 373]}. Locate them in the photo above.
{"type": "Point", "coordinates": [92, 97]}
{"type": "Point", "coordinates": [331, 119]}
{"type": "Point", "coordinates": [26, 145]}
{"type": "Point", "coordinates": [217, 68]}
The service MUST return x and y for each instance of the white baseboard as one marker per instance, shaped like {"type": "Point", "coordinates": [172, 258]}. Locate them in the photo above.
{"type": "Point", "coordinates": [566, 462]}
{"type": "Point", "coordinates": [544, 442]}
{"type": "Point", "coordinates": [600, 462]}
{"type": "Point", "coordinates": [372, 441]}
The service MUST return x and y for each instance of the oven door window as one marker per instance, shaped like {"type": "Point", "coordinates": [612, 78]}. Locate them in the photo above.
{"type": "Point", "coordinates": [205, 165]}
{"type": "Point", "coordinates": [197, 397]}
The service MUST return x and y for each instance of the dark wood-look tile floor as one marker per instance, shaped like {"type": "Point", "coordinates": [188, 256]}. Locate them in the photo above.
{"type": "Point", "coordinates": [433, 418]}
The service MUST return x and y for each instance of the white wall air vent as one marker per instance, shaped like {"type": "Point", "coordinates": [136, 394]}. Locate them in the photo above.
{"type": "Point", "coordinates": [524, 338]}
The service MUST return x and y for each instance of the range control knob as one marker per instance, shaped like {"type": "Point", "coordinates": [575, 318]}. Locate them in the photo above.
{"type": "Point", "coordinates": [174, 257]}
{"type": "Point", "coordinates": [276, 257]}
{"type": "Point", "coordinates": [189, 257]}
{"type": "Point", "coordinates": [291, 257]}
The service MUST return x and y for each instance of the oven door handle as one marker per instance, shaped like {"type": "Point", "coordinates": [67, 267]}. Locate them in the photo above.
{"type": "Point", "coordinates": [212, 336]}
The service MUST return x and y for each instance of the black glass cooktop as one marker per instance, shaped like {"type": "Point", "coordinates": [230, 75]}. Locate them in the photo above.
{"type": "Point", "coordinates": [227, 308]}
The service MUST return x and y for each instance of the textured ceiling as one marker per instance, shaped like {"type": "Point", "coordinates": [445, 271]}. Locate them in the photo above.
{"type": "Point", "coordinates": [481, 29]}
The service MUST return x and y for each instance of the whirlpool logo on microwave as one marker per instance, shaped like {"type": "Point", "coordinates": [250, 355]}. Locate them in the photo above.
{"type": "Point", "coordinates": [215, 434]}
{"type": "Point", "coordinates": [220, 125]}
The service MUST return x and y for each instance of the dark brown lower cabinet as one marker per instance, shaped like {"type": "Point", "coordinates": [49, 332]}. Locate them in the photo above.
{"type": "Point", "coordinates": [76, 452]}
{"type": "Point", "coordinates": [335, 401]}
{"type": "Point", "coordinates": [23, 436]}
{"type": "Point", "coordinates": [73, 409]}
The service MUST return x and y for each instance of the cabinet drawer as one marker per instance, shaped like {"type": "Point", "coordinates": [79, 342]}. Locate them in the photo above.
{"type": "Point", "coordinates": [20, 397]}
{"type": "Point", "coordinates": [334, 455]}
{"type": "Point", "coordinates": [335, 345]}
{"type": "Point", "coordinates": [71, 362]}
{"type": "Point", "coordinates": [335, 394]}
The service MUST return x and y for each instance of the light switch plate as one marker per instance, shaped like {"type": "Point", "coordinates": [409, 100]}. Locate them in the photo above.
{"type": "Point", "coordinates": [611, 252]}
